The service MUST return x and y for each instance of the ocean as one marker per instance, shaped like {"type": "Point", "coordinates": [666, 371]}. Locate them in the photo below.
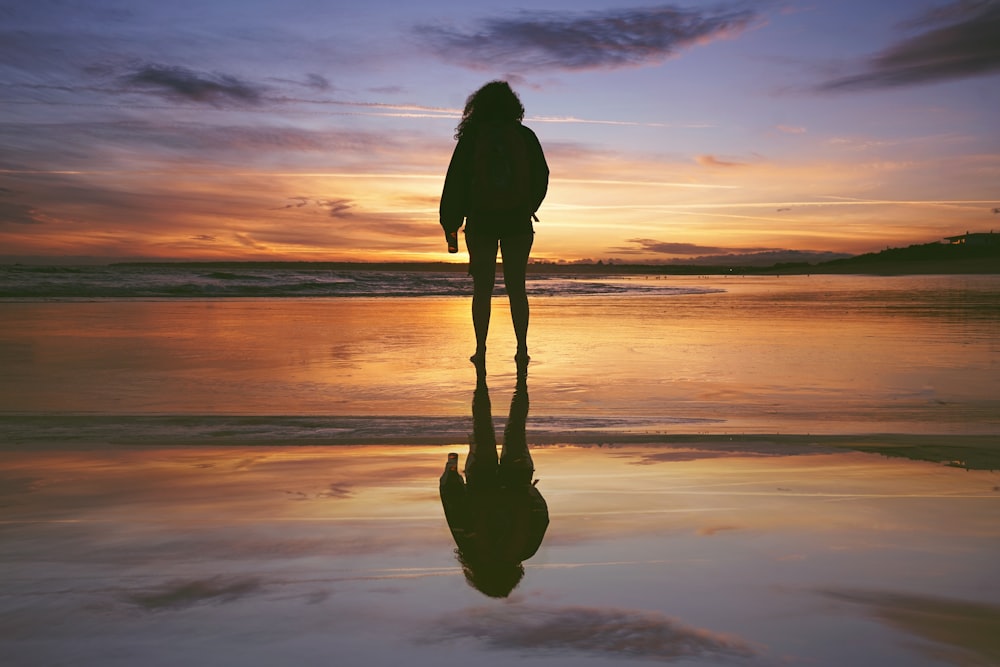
{"type": "Point", "coordinates": [211, 281]}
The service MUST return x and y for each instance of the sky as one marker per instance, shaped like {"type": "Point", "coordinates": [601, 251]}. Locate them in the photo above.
{"type": "Point", "coordinates": [308, 130]}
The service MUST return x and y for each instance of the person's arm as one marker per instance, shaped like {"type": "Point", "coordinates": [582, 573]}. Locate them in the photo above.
{"type": "Point", "coordinates": [538, 522]}
{"type": "Point", "coordinates": [454, 195]}
{"type": "Point", "coordinates": [453, 499]}
{"type": "Point", "coordinates": [539, 170]}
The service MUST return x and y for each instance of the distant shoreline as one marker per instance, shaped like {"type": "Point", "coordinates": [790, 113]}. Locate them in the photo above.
{"type": "Point", "coordinates": [981, 265]}
{"type": "Point", "coordinates": [977, 266]}
{"type": "Point", "coordinates": [924, 259]}
{"type": "Point", "coordinates": [968, 451]}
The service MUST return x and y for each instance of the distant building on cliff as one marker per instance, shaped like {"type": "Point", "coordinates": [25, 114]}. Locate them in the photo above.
{"type": "Point", "coordinates": [977, 239]}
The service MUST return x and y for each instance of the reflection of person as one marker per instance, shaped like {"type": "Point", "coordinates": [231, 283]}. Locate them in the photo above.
{"type": "Point", "coordinates": [496, 515]}
{"type": "Point", "coordinates": [496, 181]}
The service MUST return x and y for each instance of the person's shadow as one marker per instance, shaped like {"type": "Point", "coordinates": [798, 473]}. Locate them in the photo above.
{"type": "Point", "coordinates": [496, 515]}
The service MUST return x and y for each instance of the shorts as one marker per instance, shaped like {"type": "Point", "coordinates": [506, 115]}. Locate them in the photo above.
{"type": "Point", "coordinates": [483, 244]}
{"type": "Point", "coordinates": [499, 226]}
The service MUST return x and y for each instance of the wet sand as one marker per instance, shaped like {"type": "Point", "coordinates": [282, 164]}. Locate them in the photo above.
{"type": "Point", "coordinates": [802, 473]}
{"type": "Point", "coordinates": [796, 355]}
{"type": "Point", "coordinates": [699, 554]}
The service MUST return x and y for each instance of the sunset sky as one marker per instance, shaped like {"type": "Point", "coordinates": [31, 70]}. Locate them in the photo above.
{"type": "Point", "coordinates": [321, 130]}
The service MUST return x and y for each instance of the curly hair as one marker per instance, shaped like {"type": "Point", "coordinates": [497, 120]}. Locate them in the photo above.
{"type": "Point", "coordinates": [494, 102]}
{"type": "Point", "coordinates": [493, 579]}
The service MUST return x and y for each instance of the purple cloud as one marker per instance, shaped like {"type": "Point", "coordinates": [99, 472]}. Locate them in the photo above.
{"type": "Point", "coordinates": [960, 40]}
{"type": "Point", "coordinates": [623, 633]}
{"type": "Point", "coordinates": [668, 248]}
{"type": "Point", "coordinates": [181, 83]}
{"type": "Point", "coordinates": [16, 486]}
{"type": "Point", "coordinates": [12, 212]}
{"type": "Point", "coordinates": [955, 631]}
{"type": "Point", "coordinates": [591, 40]}
{"type": "Point", "coordinates": [181, 594]}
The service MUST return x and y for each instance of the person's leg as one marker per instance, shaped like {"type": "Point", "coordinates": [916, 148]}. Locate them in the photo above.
{"type": "Point", "coordinates": [482, 461]}
{"type": "Point", "coordinates": [483, 269]}
{"type": "Point", "coordinates": [515, 265]}
{"type": "Point", "coordinates": [516, 465]}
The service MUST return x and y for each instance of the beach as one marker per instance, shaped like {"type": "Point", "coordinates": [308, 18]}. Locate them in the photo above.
{"type": "Point", "coordinates": [738, 470]}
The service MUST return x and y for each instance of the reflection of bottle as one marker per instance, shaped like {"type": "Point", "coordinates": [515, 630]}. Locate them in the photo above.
{"type": "Point", "coordinates": [452, 462]}
{"type": "Point", "coordinates": [453, 242]}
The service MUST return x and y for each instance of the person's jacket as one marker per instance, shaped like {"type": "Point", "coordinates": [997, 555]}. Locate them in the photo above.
{"type": "Point", "coordinates": [511, 518]}
{"type": "Point", "coordinates": [456, 204]}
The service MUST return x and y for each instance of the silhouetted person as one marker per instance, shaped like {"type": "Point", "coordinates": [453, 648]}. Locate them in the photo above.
{"type": "Point", "coordinates": [496, 181]}
{"type": "Point", "coordinates": [496, 515]}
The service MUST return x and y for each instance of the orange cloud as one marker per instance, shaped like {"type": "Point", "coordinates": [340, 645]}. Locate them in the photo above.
{"type": "Point", "coordinates": [712, 161]}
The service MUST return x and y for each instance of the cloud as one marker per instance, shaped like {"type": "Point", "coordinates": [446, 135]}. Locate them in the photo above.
{"type": "Point", "coordinates": [668, 248]}
{"type": "Point", "coordinates": [18, 214]}
{"type": "Point", "coordinates": [387, 90]}
{"type": "Point", "coordinates": [17, 486]}
{"type": "Point", "coordinates": [968, 44]}
{"type": "Point", "coordinates": [180, 83]}
{"type": "Point", "coordinates": [297, 202]}
{"type": "Point", "coordinates": [680, 456]}
{"type": "Point", "coordinates": [338, 491]}
{"type": "Point", "coordinates": [181, 594]}
{"type": "Point", "coordinates": [318, 81]}
{"type": "Point", "coordinates": [712, 161]}
{"type": "Point", "coordinates": [248, 241]}
{"type": "Point", "coordinates": [338, 208]}
{"type": "Point", "coordinates": [958, 632]}
{"type": "Point", "coordinates": [622, 633]}
{"type": "Point", "coordinates": [720, 450]}
{"type": "Point", "coordinates": [714, 255]}
{"type": "Point", "coordinates": [590, 40]}
{"type": "Point", "coordinates": [791, 129]}
{"type": "Point", "coordinates": [334, 490]}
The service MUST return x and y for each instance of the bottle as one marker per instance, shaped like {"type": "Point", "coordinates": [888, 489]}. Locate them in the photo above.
{"type": "Point", "coordinates": [453, 242]}
{"type": "Point", "coordinates": [452, 462]}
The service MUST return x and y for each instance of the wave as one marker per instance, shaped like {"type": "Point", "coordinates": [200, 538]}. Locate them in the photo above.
{"type": "Point", "coordinates": [191, 281]}
{"type": "Point", "coordinates": [223, 275]}
{"type": "Point", "coordinates": [93, 430]}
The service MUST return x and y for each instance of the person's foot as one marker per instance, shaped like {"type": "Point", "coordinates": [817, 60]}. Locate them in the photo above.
{"type": "Point", "coordinates": [522, 358]}
{"type": "Point", "coordinates": [479, 358]}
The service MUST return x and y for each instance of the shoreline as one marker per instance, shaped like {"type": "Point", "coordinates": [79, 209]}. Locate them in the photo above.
{"type": "Point", "coordinates": [854, 266]}
{"type": "Point", "coordinates": [865, 265]}
{"type": "Point", "coordinates": [968, 451]}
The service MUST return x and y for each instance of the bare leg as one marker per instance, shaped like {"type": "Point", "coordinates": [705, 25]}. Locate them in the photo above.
{"type": "Point", "coordinates": [481, 463]}
{"type": "Point", "coordinates": [519, 314]}
{"type": "Point", "coordinates": [515, 263]}
{"type": "Point", "coordinates": [515, 459]}
{"type": "Point", "coordinates": [483, 268]}
{"type": "Point", "coordinates": [482, 301]}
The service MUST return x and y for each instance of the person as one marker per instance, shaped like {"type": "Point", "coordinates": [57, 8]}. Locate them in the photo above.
{"type": "Point", "coordinates": [496, 515]}
{"type": "Point", "coordinates": [496, 181]}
